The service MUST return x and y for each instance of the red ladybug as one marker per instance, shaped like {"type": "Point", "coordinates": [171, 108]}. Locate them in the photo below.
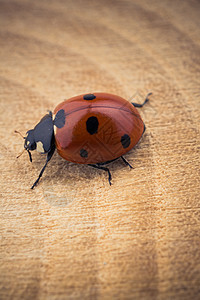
{"type": "Point", "coordinates": [92, 129]}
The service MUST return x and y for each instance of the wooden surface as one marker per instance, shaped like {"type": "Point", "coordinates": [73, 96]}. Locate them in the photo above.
{"type": "Point", "coordinates": [74, 236]}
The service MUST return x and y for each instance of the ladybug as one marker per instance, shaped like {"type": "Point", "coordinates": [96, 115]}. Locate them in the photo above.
{"type": "Point", "coordinates": [93, 129]}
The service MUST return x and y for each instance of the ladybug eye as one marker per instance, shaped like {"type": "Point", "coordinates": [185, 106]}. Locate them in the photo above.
{"type": "Point", "coordinates": [29, 146]}
{"type": "Point", "coordinates": [29, 143]}
{"type": "Point", "coordinates": [32, 146]}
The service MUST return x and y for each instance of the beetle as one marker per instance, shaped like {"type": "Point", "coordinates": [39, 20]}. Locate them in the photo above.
{"type": "Point", "coordinates": [93, 129]}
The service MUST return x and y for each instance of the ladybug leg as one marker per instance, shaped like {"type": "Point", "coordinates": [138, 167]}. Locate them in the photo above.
{"type": "Point", "coordinates": [49, 156]}
{"type": "Point", "coordinates": [145, 101]}
{"type": "Point", "coordinates": [103, 168]}
{"type": "Point", "coordinates": [126, 162]}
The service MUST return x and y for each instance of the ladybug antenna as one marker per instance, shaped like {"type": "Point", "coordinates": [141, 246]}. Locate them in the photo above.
{"type": "Point", "coordinates": [19, 134]}
{"type": "Point", "coordinates": [21, 153]}
{"type": "Point", "coordinates": [23, 138]}
{"type": "Point", "coordinates": [29, 153]}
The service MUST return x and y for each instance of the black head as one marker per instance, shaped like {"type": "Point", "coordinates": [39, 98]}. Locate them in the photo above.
{"type": "Point", "coordinates": [41, 138]}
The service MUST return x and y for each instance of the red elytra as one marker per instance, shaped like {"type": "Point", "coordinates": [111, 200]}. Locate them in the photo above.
{"type": "Point", "coordinates": [97, 130]}
{"type": "Point", "coordinates": [92, 129]}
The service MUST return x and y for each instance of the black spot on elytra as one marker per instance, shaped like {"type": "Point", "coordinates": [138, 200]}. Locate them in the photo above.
{"type": "Point", "coordinates": [125, 140]}
{"type": "Point", "coordinates": [89, 97]}
{"type": "Point", "coordinates": [92, 125]}
{"type": "Point", "coordinates": [83, 153]}
{"type": "Point", "coordinates": [59, 120]}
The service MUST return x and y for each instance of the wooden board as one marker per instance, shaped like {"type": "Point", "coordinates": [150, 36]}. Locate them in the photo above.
{"type": "Point", "coordinates": [74, 236]}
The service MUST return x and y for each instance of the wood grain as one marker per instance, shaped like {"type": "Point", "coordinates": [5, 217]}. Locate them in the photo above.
{"type": "Point", "coordinates": [74, 237]}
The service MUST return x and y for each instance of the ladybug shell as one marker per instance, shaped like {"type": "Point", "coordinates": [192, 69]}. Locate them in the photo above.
{"type": "Point", "coordinates": [96, 128]}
